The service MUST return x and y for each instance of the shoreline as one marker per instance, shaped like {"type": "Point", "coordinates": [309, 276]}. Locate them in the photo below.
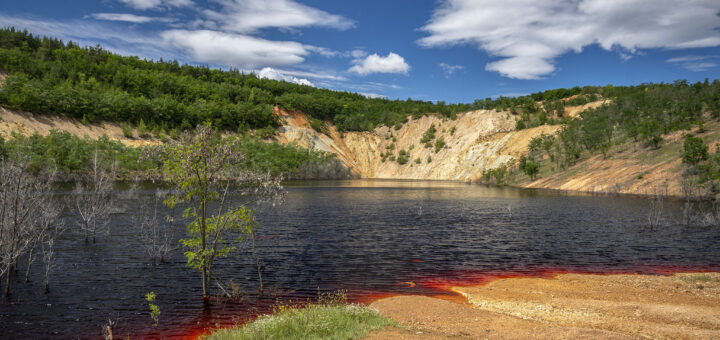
{"type": "Point", "coordinates": [431, 316]}
{"type": "Point", "coordinates": [683, 304]}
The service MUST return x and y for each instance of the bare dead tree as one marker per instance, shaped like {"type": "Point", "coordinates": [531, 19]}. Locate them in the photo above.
{"type": "Point", "coordinates": [155, 231]}
{"type": "Point", "coordinates": [92, 198]}
{"type": "Point", "coordinates": [261, 288]}
{"type": "Point", "coordinates": [47, 227]}
{"type": "Point", "coordinates": [22, 196]}
{"type": "Point", "coordinates": [688, 192]}
{"type": "Point", "coordinates": [656, 207]}
{"type": "Point", "coordinates": [48, 253]}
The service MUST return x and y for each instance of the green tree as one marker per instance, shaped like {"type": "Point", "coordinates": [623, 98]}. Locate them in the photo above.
{"type": "Point", "coordinates": [206, 170]}
{"type": "Point", "coordinates": [142, 130]}
{"type": "Point", "coordinates": [694, 150]}
{"type": "Point", "coordinates": [531, 169]}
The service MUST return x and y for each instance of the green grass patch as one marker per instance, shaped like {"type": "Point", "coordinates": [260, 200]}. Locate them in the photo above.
{"type": "Point", "coordinates": [346, 321]}
{"type": "Point", "coordinates": [700, 278]}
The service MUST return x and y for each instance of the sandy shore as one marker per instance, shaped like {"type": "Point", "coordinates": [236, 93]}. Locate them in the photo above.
{"type": "Point", "coordinates": [568, 306]}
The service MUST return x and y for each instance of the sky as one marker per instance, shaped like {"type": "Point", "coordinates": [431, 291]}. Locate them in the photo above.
{"type": "Point", "coordinates": [449, 50]}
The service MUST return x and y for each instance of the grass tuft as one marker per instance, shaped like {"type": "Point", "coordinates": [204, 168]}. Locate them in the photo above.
{"type": "Point", "coordinates": [329, 319]}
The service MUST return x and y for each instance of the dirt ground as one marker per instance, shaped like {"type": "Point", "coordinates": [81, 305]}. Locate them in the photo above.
{"type": "Point", "coordinates": [27, 123]}
{"type": "Point", "coordinates": [568, 306]}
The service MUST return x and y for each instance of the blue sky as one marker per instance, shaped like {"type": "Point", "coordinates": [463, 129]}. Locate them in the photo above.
{"type": "Point", "coordinates": [451, 50]}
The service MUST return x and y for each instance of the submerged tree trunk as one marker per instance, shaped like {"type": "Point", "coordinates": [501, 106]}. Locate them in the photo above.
{"type": "Point", "coordinates": [7, 282]}
{"type": "Point", "coordinates": [30, 261]}
{"type": "Point", "coordinates": [204, 263]}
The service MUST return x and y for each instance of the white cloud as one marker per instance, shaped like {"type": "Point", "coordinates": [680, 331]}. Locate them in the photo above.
{"type": "Point", "coordinates": [245, 16]}
{"type": "Point", "coordinates": [114, 37]}
{"type": "Point", "coordinates": [374, 63]}
{"type": "Point", "coordinates": [271, 73]}
{"type": "Point", "coordinates": [687, 58]}
{"type": "Point", "coordinates": [529, 35]}
{"type": "Point", "coordinates": [372, 95]}
{"type": "Point", "coordinates": [357, 54]}
{"type": "Point", "coordinates": [126, 17]}
{"type": "Point", "coordinates": [235, 49]}
{"type": "Point", "coordinates": [156, 4]}
{"type": "Point", "coordinates": [450, 69]}
{"type": "Point", "coordinates": [695, 63]}
{"type": "Point", "coordinates": [314, 75]}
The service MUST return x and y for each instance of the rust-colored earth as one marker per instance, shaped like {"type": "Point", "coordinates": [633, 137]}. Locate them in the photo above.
{"type": "Point", "coordinates": [568, 306]}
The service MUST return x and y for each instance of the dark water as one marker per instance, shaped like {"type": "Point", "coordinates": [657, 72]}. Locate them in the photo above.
{"type": "Point", "coordinates": [366, 237]}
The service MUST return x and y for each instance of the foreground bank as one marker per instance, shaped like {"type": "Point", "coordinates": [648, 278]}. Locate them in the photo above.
{"type": "Point", "coordinates": [567, 306]}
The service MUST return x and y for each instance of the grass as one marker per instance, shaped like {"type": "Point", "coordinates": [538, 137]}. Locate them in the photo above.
{"type": "Point", "coordinates": [334, 320]}
{"type": "Point", "coordinates": [700, 278]}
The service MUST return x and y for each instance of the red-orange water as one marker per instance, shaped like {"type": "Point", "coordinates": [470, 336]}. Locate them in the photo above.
{"type": "Point", "coordinates": [441, 287]}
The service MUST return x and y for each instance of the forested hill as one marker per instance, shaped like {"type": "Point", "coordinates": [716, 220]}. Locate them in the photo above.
{"type": "Point", "coordinates": [46, 75]}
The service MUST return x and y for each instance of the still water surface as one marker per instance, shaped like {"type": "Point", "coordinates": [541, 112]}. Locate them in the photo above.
{"type": "Point", "coordinates": [370, 238]}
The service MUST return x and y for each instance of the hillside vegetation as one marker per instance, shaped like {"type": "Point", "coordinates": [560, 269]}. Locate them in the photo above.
{"type": "Point", "coordinates": [47, 75]}
{"type": "Point", "coordinates": [565, 127]}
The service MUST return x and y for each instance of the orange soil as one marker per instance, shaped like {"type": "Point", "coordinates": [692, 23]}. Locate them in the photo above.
{"type": "Point", "coordinates": [568, 306]}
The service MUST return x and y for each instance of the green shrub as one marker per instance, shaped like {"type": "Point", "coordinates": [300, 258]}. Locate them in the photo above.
{"type": "Point", "coordinates": [439, 144]}
{"type": "Point", "coordinates": [319, 126]}
{"type": "Point", "coordinates": [127, 130]}
{"type": "Point", "coordinates": [403, 157]}
{"type": "Point", "coordinates": [142, 130]}
{"type": "Point", "coordinates": [694, 150]}
{"type": "Point", "coordinates": [429, 134]}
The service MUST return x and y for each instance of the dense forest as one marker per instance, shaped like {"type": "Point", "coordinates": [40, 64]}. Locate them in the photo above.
{"type": "Point", "coordinates": [47, 75]}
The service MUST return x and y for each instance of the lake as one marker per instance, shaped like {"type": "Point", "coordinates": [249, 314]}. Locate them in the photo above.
{"type": "Point", "coordinates": [371, 238]}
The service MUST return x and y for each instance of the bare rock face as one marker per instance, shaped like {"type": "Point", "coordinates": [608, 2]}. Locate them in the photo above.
{"type": "Point", "coordinates": [474, 142]}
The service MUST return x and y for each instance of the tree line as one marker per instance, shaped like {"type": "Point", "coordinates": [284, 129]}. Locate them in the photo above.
{"type": "Point", "coordinates": [47, 75]}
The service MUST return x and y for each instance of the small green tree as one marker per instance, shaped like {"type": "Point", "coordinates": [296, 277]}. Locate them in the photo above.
{"type": "Point", "coordinates": [694, 150]}
{"type": "Point", "coordinates": [154, 309]}
{"type": "Point", "coordinates": [142, 130]}
{"type": "Point", "coordinates": [204, 171]}
{"type": "Point", "coordinates": [531, 169]}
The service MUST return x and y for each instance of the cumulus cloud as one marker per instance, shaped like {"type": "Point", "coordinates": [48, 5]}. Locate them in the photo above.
{"type": "Point", "coordinates": [450, 69]}
{"type": "Point", "coordinates": [695, 63]}
{"type": "Point", "coordinates": [245, 16]}
{"type": "Point", "coordinates": [392, 63]}
{"type": "Point", "coordinates": [271, 73]}
{"type": "Point", "coordinates": [529, 35]}
{"type": "Point", "coordinates": [126, 17]}
{"type": "Point", "coordinates": [236, 49]}
{"type": "Point", "coordinates": [156, 4]}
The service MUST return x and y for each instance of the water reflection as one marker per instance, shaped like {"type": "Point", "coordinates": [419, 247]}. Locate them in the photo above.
{"type": "Point", "coordinates": [367, 237]}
